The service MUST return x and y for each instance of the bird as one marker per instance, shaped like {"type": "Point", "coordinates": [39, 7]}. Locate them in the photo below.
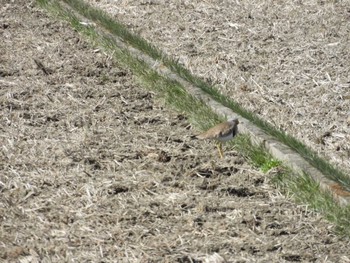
{"type": "Point", "coordinates": [222, 132]}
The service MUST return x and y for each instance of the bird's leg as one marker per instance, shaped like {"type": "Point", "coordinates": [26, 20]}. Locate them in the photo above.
{"type": "Point", "coordinates": [221, 151]}
{"type": "Point", "coordinates": [219, 145]}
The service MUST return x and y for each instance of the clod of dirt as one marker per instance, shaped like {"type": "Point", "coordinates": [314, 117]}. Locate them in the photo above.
{"type": "Point", "coordinates": [163, 157]}
{"type": "Point", "coordinates": [188, 259]}
{"type": "Point", "coordinates": [208, 186]}
{"type": "Point", "coordinates": [292, 258]}
{"type": "Point", "coordinates": [210, 172]}
{"type": "Point", "coordinates": [117, 190]}
{"type": "Point", "coordinates": [240, 192]}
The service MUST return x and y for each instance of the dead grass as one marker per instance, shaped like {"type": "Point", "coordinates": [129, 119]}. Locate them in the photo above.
{"type": "Point", "coordinates": [286, 62]}
{"type": "Point", "coordinates": [91, 171]}
{"type": "Point", "coordinates": [118, 29]}
{"type": "Point", "coordinates": [203, 117]}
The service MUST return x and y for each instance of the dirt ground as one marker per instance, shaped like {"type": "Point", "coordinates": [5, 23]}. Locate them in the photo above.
{"type": "Point", "coordinates": [287, 61]}
{"type": "Point", "coordinates": [94, 168]}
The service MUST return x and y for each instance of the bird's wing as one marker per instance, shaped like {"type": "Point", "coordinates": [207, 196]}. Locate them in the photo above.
{"type": "Point", "coordinates": [224, 130]}
{"type": "Point", "coordinates": [214, 132]}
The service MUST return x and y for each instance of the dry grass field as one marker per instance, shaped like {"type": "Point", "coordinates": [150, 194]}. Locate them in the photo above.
{"type": "Point", "coordinates": [94, 168]}
{"type": "Point", "coordinates": [286, 61]}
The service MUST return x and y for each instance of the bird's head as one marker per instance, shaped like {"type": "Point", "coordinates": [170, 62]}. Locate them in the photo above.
{"type": "Point", "coordinates": [234, 120]}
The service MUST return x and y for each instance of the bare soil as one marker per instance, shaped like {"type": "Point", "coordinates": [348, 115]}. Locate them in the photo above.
{"type": "Point", "coordinates": [287, 61]}
{"type": "Point", "coordinates": [94, 168]}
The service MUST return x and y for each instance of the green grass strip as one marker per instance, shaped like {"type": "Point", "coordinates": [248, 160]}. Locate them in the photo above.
{"type": "Point", "coordinates": [304, 190]}
{"type": "Point", "coordinates": [301, 188]}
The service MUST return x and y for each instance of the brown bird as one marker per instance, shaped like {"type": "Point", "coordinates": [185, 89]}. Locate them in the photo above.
{"type": "Point", "coordinates": [221, 133]}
